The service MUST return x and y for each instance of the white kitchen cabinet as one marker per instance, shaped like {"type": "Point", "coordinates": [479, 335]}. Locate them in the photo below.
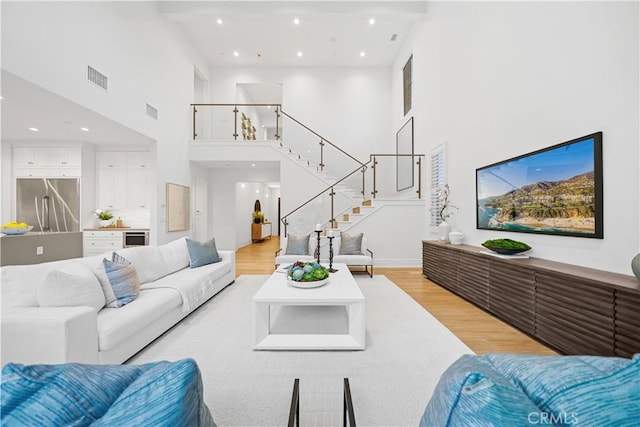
{"type": "Point", "coordinates": [97, 242]}
{"type": "Point", "coordinates": [122, 179]}
{"type": "Point", "coordinates": [111, 160]}
{"type": "Point", "coordinates": [138, 160]}
{"type": "Point", "coordinates": [30, 157]}
{"type": "Point", "coordinates": [137, 189]}
{"type": "Point", "coordinates": [65, 157]}
{"type": "Point", "coordinates": [111, 189]}
{"type": "Point", "coordinates": [44, 162]}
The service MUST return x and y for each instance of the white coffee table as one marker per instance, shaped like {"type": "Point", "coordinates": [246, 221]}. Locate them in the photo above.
{"type": "Point", "coordinates": [330, 317]}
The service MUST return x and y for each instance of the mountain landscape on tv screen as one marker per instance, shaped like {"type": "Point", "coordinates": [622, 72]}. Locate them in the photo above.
{"type": "Point", "coordinates": [560, 206]}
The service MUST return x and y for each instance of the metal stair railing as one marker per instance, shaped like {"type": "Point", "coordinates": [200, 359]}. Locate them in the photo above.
{"type": "Point", "coordinates": [372, 165]}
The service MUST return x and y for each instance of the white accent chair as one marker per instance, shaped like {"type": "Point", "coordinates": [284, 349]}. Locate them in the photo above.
{"type": "Point", "coordinates": [365, 259]}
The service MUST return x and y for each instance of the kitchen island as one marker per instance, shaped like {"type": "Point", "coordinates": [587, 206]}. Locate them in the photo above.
{"type": "Point", "coordinates": [37, 247]}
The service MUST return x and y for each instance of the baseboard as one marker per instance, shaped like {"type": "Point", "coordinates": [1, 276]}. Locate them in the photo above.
{"type": "Point", "coordinates": [396, 262]}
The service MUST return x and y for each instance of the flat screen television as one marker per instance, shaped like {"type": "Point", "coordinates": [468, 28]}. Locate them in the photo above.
{"type": "Point", "coordinates": [556, 190]}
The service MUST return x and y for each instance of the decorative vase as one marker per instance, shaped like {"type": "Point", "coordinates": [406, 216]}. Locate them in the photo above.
{"type": "Point", "coordinates": [105, 222]}
{"type": "Point", "coordinates": [443, 232]}
{"type": "Point", "coordinates": [455, 237]}
{"type": "Point", "coordinates": [635, 266]}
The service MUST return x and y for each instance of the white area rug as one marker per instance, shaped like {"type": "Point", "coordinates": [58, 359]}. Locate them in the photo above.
{"type": "Point", "coordinates": [391, 381]}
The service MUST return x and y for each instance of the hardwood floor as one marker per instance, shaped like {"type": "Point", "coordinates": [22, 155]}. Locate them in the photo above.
{"type": "Point", "coordinates": [479, 330]}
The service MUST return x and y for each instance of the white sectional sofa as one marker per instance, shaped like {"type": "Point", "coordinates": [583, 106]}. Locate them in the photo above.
{"type": "Point", "coordinates": [169, 291]}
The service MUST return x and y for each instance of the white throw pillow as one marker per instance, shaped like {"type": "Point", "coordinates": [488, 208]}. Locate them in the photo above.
{"type": "Point", "coordinates": [60, 289]}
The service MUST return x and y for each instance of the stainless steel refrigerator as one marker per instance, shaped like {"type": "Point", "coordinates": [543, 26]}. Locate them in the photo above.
{"type": "Point", "coordinates": [49, 204]}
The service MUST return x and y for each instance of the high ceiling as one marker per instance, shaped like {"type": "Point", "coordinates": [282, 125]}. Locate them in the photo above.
{"type": "Point", "coordinates": [330, 33]}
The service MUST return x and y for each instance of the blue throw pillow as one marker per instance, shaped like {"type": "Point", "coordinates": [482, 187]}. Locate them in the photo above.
{"type": "Point", "coordinates": [202, 253]}
{"type": "Point", "coordinates": [472, 393]}
{"type": "Point", "coordinates": [119, 281]}
{"type": "Point", "coordinates": [297, 245]}
{"type": "Point", "coordinates": [350, 245]}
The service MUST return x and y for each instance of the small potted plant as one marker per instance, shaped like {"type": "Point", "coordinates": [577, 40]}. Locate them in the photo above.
{"type": "Point", "coordinates": [258, 217]}
{"type": "Point", "coordinates": [104, 216]}
{"type": "Point", "coordinates": [445, 212]}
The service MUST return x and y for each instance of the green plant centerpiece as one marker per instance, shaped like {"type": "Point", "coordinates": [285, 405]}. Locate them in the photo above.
{"type": "Point", "coordinates": [307, 272]}
{"type": "Point", "coordinates": [103, 215]}
{"type": "Point", "coordinates": [506, 246]}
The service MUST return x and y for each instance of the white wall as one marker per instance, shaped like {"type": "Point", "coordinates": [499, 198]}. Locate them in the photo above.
{"type": "Point", "coordinates": [347, 106]}
{"type": "Point", "coordinates": [500, 79]}
{"type": "Point", "coordinates": [145, 57]}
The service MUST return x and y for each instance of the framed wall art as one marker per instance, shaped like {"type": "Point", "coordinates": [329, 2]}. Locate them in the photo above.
{"type": "Point", "coordinates": [404, 164]}
{"type": "Point", "coordinates": [178, 207]}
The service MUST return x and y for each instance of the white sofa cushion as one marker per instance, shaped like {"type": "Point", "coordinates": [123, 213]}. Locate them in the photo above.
{"type": "Point", "coordinates": [148, 262]}
{"type": "Point", "coordinates": [175, 255]}
{"type": "Point", "coordinates": [193, 284]}
{"type": "Point", "coordinates": [20, 282]}
{"type": "Point", "coordinates": [353, 259]}
{"type": "Point", "coordinates": [117, 324]}
{"type": "Point", "coordinates": [60, 289]}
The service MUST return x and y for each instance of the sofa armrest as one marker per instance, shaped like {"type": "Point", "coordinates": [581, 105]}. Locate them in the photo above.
{"type": "Point", "coordinates": [228, 255]}
{"type": "Point", "coordinates": [37, 335]}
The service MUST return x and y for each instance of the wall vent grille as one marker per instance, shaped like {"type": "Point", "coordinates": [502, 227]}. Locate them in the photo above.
{"type": "Point", "coordinates": [96, 77]}
{"type": "Point", "coordinates": [152, 112]}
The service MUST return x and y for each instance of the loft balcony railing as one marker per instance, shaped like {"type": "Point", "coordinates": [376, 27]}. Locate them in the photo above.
{"type": "Point", "coordinates": [264, 122]}
{"type": "Point", "coordinates": [371, 179]}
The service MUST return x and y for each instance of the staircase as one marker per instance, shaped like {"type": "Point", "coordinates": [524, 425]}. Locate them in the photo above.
{"type": "Point", "coordinates": [360, 207]}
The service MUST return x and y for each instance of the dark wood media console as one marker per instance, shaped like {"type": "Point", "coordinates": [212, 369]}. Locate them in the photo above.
{"type": "Point", "coordinates": [575, 310]}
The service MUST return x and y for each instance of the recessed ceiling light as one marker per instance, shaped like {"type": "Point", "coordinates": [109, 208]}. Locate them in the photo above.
{"type": "Point", "coordinates": [253, 165]}
{"type": "Point", "coordinates": [257, 191]}
{"type": "Point", "coordinates": [235, 53]}
{"type": "Point", "coordinates": [219, 21]}
{"type": "Point", "coordinates": [84, 129]}
{"type": "Point", "coordinates": [1, 97]}
{"type": "Point", "coordinates": [299, 53]}
{"type": "Point", "coordinates": [296, 21]}
{"type": "Point", "coordinates": [372, 21]}
{"type": "Point", "coordinates": [33, 129]}
{"type": "Point", "coordinates": [362, 53]}
{"type": "Point", "coordinates": [243, 185]}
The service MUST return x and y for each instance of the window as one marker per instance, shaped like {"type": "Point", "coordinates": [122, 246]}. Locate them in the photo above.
{"type": "Point", "coordinates": [406, 84]}
{"type": "Point", "coordinates": [438, 162]}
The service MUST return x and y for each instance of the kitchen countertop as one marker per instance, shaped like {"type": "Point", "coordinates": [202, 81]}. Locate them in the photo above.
{"type": "Point", "coordinates": [116, 229]}
{"type": "Point", "coordinates": [38, 233]}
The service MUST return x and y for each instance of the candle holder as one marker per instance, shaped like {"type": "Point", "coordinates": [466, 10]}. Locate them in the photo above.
{"type": "Point", "coordinates": [318, 247]}
{"type": "Point", "coordinates": [331, 269]}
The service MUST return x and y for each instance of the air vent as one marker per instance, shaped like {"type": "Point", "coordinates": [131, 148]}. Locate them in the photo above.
{"type": "Point", "coordinates": [96, 77]}
{"type": "Point", "coordinates": [394, 36]}
{"type": "Point", "coordinates": [152, 112]}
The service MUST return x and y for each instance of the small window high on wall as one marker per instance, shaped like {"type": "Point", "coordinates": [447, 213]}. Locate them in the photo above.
{"type": "Point", "coordinates": [438, 178]}
{"type": "Point", "coordinates": [406, 84]}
